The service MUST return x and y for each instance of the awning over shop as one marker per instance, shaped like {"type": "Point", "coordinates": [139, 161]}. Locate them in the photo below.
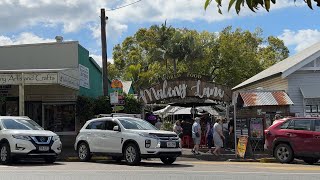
{"type": "Point", "coordinates": [265, 98]}
{"type": "Point", "coordinates": [312, 91]}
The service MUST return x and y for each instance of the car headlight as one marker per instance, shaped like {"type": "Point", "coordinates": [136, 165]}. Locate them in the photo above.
{"type": "Point", "coordinates": [55, 138]}
{"type": "Point", "coordinates": [148, 135]}
{"type": "Point", "coordinates": [27, 138]}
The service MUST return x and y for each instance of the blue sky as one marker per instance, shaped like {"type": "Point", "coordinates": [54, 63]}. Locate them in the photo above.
{"type": "Point", "coordinates": [36, 21]}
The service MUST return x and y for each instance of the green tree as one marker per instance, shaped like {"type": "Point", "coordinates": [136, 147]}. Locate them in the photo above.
{"type": "Point", "coordinates": [252, 4]}
{"type": "Point", "coordinates": [229, 57]}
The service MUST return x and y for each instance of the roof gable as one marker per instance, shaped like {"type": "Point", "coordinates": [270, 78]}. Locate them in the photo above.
{"type": "Point", "coordinates": [286, 66]}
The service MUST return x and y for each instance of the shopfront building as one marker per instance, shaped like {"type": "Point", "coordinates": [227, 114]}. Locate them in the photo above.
{"type": "Point", "coordinates": [43, 81]}
{"type": "Point", "coordinates": [297, 76]}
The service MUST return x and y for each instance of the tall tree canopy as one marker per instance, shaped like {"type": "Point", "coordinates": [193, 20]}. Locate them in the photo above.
{"type": "Point", "coordinates": [229, 57]}
{"type": "Point", "coordinates": [253, 4]}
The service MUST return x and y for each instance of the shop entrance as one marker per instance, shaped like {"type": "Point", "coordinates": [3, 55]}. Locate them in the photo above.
{"type": "Point", "coordinates": [59, 118]}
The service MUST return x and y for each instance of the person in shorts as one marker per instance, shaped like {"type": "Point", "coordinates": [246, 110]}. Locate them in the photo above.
{"type": "Point", "coordinates": [196, 135]}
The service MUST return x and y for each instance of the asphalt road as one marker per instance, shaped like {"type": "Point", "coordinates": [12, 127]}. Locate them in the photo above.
{"type": "Point", "coordinates": [154, 170]}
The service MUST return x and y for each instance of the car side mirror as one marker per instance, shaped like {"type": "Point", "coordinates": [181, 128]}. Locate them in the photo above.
{"type": "Point", "coordinates": [116, 128]}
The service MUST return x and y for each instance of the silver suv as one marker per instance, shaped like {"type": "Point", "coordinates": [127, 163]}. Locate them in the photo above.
{"type": "Point", "coordinates": [126, 138]}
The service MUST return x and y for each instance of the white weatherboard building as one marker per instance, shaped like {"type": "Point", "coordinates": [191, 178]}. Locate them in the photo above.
{"type": "Point", "coordinates": [298, 76]}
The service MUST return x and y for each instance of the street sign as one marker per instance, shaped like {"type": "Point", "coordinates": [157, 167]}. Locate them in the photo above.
{"type": "Point", "coordinates": [114, 98]}
{"type": "Point", "coordinates": [117, 108]}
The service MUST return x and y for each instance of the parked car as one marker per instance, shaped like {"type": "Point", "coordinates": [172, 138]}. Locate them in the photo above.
{"type": "Point", "coordinates": [294, 138]}
{"type": "Point", "coordinates": [21, 137]}
{"type": "Point", "coordinates": [126, 138]}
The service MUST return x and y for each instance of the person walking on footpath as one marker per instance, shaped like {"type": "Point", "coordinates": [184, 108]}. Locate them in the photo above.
{"type": "Point", "coordinates": [218, 137]}
{"type": "Point", "coordinates": [158, 124]}
{"type": "Point", "coordinates": [196, 135]}
{"type": "Point", "coordinates": [225, 130]}
{"type": "Point", "coordinates": [209, 136]}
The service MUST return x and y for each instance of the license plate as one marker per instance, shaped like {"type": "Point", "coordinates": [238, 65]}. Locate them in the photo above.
{"type": "Point", "coordinates": [171, 144]}
{"type": "Point", "coordinates": [43, 148]}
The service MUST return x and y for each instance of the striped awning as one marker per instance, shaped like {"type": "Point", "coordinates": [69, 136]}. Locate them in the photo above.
{"type": "Point", "coordinates": [265, 98]}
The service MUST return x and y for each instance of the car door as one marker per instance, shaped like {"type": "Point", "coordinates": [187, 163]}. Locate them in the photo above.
{"type": "Point", "coordinates": [94, 133]}
{"type": "Point", "coordinates": [113, 139]}
{"type": "Point", "coordinates": [316, 137]}
{"type": "Point", "coordinates": [301, 136]}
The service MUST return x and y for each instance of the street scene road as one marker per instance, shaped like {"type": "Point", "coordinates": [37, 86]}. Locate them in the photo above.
{"type": "Point", "coordinates": [155, 170]}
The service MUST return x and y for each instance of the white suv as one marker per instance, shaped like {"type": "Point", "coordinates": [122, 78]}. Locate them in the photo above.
{"type": "Point", "coordinates": [126, 138]}
{"type": "Point", "coordinates": [21, 137]}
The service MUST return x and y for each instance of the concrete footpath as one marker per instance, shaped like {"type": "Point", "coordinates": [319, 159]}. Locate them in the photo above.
{"type": "Point", "coordinates": [68, 154]}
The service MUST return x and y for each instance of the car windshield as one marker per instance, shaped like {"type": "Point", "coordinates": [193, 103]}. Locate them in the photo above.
{"type": "Point", "coordinates": [20, 124]}
{"type": "Point", "coordinates": [137, 124]}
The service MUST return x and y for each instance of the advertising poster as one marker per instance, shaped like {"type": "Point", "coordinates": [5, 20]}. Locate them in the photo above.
{"type": "Point", "coordinates": [242, 146]}
{"type": "Point", "coordinates": [256, 128]}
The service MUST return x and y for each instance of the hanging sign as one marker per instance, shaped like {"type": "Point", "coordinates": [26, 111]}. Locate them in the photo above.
{"type": "Point", "coordinates": [184, 88]}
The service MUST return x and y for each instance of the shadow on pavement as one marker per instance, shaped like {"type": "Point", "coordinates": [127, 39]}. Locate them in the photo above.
{"type": "Point", "coordinates": [154, 164]}
{"type": "Point", "coordinates": [34, 163]}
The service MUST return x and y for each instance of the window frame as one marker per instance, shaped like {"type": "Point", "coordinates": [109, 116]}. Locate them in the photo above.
{"type": "Point", "coordinates": [314, 125]}
{"type": "Point", "coordinates": [116, 124]}
{"type": "Point", "coordinates": [294, 125]}
{"type": "Point", "coordinates": [103, 122]}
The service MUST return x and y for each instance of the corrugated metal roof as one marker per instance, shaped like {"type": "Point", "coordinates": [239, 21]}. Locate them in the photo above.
{"type": "Point", "coordinates": [264, 98]}
{"type": "Point", "coordinates": [290, 64]}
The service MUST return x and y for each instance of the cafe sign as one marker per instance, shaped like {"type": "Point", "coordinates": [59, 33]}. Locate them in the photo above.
{"type": "Point", "coordinates": [184, 89]}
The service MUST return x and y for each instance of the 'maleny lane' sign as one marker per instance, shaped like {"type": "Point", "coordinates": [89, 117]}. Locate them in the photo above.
{"type": "Point", "coordinates": [183, 89]}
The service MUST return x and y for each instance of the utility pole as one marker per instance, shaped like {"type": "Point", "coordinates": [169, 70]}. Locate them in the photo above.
{"type": "Point", "coordinates": [103, 18]}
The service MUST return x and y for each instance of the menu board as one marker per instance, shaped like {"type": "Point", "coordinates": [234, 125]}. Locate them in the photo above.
{"type": "Point", "coordinates": [256, 127]}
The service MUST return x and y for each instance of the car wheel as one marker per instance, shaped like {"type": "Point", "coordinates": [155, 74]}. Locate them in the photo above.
{"type": "Point", "coordinates": [132, 154]}
{"type": "Point", "coordinates": [50, 160]}
{"type": "Point", "coordinates": [168, 160]}
{"type": "Point", "coordinates": [117, 158]}
{"type": "Point", "coordinates": [283, 153]}
{"type": "Point", "coordinates": [310, 160]}
{"type": "Point", "coordinates": [5, 153]}
{"type": "Point", "coordinates": [84, 153]}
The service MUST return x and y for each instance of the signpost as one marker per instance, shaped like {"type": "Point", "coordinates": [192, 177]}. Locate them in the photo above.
{"type": "Point", "coordinates": [117, 98]}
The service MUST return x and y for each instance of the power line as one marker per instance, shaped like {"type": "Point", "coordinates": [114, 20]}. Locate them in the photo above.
{"type": "Point", "coordinates": [124, 6]}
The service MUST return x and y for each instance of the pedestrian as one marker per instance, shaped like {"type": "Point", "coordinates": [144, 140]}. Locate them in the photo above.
{"type": "Point", "coordinates": [209, 135]}
{"type": "Point", "coordinates": [196, 135]}
{"type": "Point", "coordinates": [226, 134]}
{"type": "Point", "coordinates": [218, 137]}
{"type": "Point", "coordinates": [178, 129]}
{"type": "Point", "coordinates": [158, 124]}
{"type": "Point", "coordinates": [231, 134]}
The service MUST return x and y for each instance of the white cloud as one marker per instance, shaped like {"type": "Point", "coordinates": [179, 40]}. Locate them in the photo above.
{"type": "Point", "coordinates": [74, 15]}
{"type": "Point", "coordinates": [301, 39]}
{"type": "Point", "coordinates": [23, 38]}
{"type": "Point", "coordinates": [98, 59]}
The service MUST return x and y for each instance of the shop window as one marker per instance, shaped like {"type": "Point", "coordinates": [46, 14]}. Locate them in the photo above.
{"type": "Point", "coordinates": [308, 109]}
{"type": "Point", "coordinates": [312, 109]}
{"type": "Point", "coordinates": [59, 117]}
